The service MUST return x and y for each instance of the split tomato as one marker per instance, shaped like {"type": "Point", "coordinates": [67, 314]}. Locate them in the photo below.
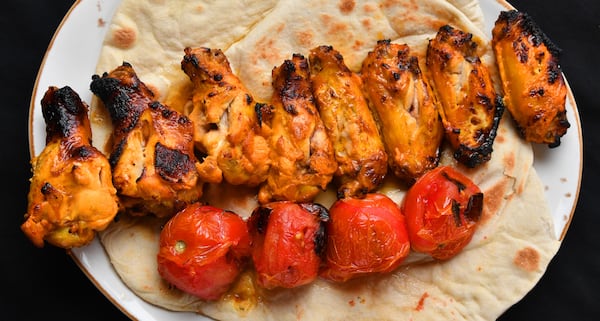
{"type": "Point", "coordinates": [365, 236]}
{"type": "Point", "coordinates": [288, 241]}
{"type": "Point", "coordinates": [202, 250]}
{"type": "Point", "coordinates": [442, 210]}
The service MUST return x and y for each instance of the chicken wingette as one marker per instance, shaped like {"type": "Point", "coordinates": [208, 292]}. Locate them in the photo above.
{"type": "Point", "coordinates": [227, 120]}
{"type": "Point", "coordinates": [303, 160]}
{"type": "Point", "coordinates": [71, 194]}
{"type": "Point", "coordinates": [471, 108]}
{"type": "Point", "coordinates": [359, 150]}
{"type": "Point", "coordinates": [532, 80]}
{"type": "Point", "coordinates": [406, 108]}
{"type": "Point", "coordinates": [152, 153]}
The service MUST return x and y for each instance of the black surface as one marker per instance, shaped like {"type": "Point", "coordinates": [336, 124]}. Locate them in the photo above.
{"type": "Point", "coordinates": [46, 284]}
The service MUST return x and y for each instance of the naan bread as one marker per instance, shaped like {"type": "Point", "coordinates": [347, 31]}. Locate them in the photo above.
{"type": "Point", "coordinates": [510, 250]}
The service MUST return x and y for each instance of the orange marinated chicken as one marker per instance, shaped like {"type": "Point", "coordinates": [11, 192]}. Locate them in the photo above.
{"type": "Point", "coordinates": [470, 107]}
{"type": "Point", "coordinates": [303, 160]}
{"type": "Point", "coordinates": [71, 195]}
{"type": "Point", "coordinates": [359, 150]}
{"type": "Point", "coordinates": [228, 122]}
{"type": "Point", "coordinates": [152, 154]}
{"type": "Point", "coordinates": [534, 88]}
{"type": "Point", "coordinates": [406, 108]}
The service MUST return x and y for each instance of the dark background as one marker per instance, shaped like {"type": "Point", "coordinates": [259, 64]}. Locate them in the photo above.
{"type": "Point", "coordinates": [46, 284]}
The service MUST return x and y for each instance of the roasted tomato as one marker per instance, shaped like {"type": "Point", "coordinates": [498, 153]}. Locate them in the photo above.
{"type": "Point", "coordinates": [288, 241]}
{"type": "Point", "coordinates": [364, 236]}
{"type": "Point", "coordinates": [202, 250]}
{"type": "Point", "coordinates": [442, 210]}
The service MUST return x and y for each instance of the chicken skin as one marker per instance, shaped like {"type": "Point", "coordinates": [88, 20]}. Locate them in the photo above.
{"type": "Point", "coordinates": [152, 154]}
{"type": "Point", "coordinates": [532, 81]}
{"type": "Point", "coordinates": [471, 109]}
{"type": "Point", "coordinates": [227, 120]}
{"type": "Point", "coordinates": [71, 195]}
{"type": "Point", "coordinates": [406, 107]}
{"type": "Point", "coordinates": [303, 160]}
{"type": "Point", "coordinates": [359, 150]}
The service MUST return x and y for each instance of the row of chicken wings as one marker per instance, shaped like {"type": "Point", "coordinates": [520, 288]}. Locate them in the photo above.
{"type": "Point", "coordinates": [323, 124]}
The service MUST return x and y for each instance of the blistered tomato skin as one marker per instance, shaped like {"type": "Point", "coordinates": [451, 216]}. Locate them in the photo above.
{"type": "Point", "coordinates": [288, 241]}
{"type": "Point", "coordinates": [202, 250]}
{"type": "Point", "coordinates": [364, 236]}
{"type": "Point", "coordinates": [442, 210]}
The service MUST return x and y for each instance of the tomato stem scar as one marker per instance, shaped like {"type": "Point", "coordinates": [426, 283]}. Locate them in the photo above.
{"type": "Point", "coordinates": [180, 246]}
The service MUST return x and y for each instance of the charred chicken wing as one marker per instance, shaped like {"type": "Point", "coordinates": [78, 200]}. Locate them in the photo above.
{"type": "Point", "coordinates": [152, 154]}
{"type": "Point", "coordinates": [359, 150]}
{"type": "Point", "coordinates": [471, 109]}
{"type": "Point", "coordinates": [406, 108]}
{"type": "Point", "coordinates": [533, 84]}
{"type": "Point", "coordinates": [227, 119]}
{"type": "Point", "coordinates": [301, 152]}
{"type": "Point", "coordinates": [71, 194]}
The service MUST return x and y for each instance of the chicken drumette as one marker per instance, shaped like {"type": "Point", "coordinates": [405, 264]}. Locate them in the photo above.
{"type": "Point", "coordinates": [152, 154]}
{"type": "Point", "coordinates": [303, 160]}
{"type": "Point", "coordinates": [71, 195]}
{"type": "Point", "coordinates": [359, 150]}
{"type": "Point", "coordinates": [227, 120]}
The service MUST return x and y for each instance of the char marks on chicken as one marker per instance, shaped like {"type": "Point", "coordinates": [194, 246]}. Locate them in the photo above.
{"type": "Point", "coordinates": [302, 155]}
{"type": "Point", "coordinates": [470, 107]}
{"type": "Point", "coordinates": [533, 84]}
{"type": "Point", "coordinates": [406, 107]}
{"type": "Point", "coordinates": [152, 154]}
{"type": "Point", "coordinates": [228, 121]}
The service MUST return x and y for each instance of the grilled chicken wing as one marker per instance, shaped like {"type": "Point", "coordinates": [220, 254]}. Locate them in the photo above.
{"type": "Point", "coordinates": [152, 155]}
{"type": "Point", "coordinates": [301, 152]}
{"type": "Point", "coordinates": [227, 119]}
{"type": "Point", "coordinates": [471, 109]}
{"type": "Point", "coordinates": [406, 108]}
{"type": "Point", "coordinates": [533, 84]}
{"type": "Point", "coordinates": [359, 150]}
{"type": "Point", "coordinates": [71, 194]}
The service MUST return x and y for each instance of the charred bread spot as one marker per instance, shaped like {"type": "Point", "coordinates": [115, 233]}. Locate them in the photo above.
{"type": "Point", "coordinates": [527, 259]}
{"type": "Point", "coordinates": [124, 37]}
{"type": "Point", "coordinates": [346, 6]}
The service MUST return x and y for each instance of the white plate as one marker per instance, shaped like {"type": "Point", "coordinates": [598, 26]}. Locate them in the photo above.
{"type": "Point", "coordinates": [71, 60]}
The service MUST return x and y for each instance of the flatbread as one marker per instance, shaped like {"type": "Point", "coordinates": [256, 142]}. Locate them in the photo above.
{"type": "Point", "coordinates": [515, 239]}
